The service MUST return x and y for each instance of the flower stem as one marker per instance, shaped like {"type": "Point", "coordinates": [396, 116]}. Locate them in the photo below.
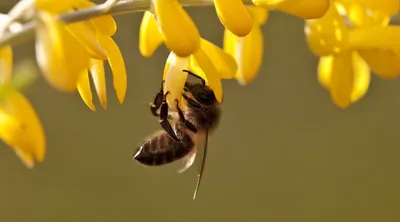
{"type": "Point", "coordinates": [122, 7]}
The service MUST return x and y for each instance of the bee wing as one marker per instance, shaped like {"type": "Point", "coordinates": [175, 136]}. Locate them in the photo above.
{"type": "Point", "coordinates": [187, 161]}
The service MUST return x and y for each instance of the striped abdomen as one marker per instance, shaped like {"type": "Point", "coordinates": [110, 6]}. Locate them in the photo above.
{"type": "Point", "coordinates": [162, 149]}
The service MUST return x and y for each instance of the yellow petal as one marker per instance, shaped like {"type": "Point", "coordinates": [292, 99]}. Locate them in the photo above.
{"type": "Point", "coordinates": [178, 29]}
{"type": "Point", "coordinates": [325, 70]}
{"type": "Point", "coordinates": [258, 15]}
{"type": "Point", "coordinates": [384, 62]}
{"type": "Point", "coordinates": [6, 63]}
{"type": "Point", "coordinates": [328, 34]}
{"type": "Point", "coordinates": [362, 78]}
{"type": "Point", "coordinates": [56, 7]}
{"type": "Point", "coordinates": [225, 63]}
{"type": "Point", "coordinates": [389, 7]}
{"type": "Point", "coordinates": [248, 53]}
{"type": "Point", "coordinates": [234, 16]}
{"type": "Point", "coordinates": [361, 16]}
{"type": "Point", "coordinates": [99, 79]}
{"type": "Point", "coordinates": [342, 80]}
{"type": "Point", "coordinates": [31, 140]}
{"type": "Point", "coordinates": [84, 89]}
{"type": "Point", "coordinates": [26, 158]}
{"type": "Point", "coordinates": [195, 68]}
{"type": "Point", "coordinates": [213, 79]}
{"type": "Point", "coordinates": [304, 9]}
{"type": "Point", "coordinates": [117, 64]}
{"type": "Point", "coordinates": [174, 77]}
{"type": "Point", "coordinates": [59, 55]}
{"type": "Point", "coordinates": [150, 37]}
{"type": "Point", "coordinates": [105, 24]}
{"type": "Point", "coordinates": [87, 38]}
{"type": "Point", "coordinates": [10, 128]}
{"type": "Point", "coordinates": [230, 41]}
{"type": "Point", "coordinates": [375, 37]}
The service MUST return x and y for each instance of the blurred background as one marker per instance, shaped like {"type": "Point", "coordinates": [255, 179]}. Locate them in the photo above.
{"type": "Point", "coordinates": [283, 151]}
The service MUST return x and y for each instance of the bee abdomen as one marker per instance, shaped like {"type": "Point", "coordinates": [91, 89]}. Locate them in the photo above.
{"type": "Point", "coordinates": [162, 149]}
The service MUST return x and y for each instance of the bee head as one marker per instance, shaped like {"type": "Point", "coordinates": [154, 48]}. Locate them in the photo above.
{"type": "Point", "coordinates": [202, 93]}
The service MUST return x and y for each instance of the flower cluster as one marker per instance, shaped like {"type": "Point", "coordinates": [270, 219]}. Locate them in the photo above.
{"type": "Point", "coordinates": [241, 57]}
{"type": "Point", "coordinates": [352, 39]}
{"type": "Point", "coordinates": [66, 54]}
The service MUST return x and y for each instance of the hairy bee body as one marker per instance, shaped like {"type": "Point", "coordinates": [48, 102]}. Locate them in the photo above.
{"type": "Point", "coordinates": [183, 129]}
{"type": "Point", "coordinates": [161, 149]}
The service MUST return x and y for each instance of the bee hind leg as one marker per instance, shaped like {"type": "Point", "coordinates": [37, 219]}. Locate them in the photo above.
{"type": "Point", "coordinates": [188, 124]}
{"type": "Point", "coordinates": [164, 119]}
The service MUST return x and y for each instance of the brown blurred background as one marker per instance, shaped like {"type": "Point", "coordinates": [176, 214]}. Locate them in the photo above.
{"type": "Point", "coordinates": [283, 151]}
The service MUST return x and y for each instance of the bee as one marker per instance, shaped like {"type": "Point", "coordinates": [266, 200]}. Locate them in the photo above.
{"type": "Point", "coordinates": [184, 130]}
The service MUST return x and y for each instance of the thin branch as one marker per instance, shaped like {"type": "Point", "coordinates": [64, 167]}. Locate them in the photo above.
{"type": "Point", "coordinates": [122, 7]}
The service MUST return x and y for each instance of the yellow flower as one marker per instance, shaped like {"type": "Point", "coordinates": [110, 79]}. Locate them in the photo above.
{"type": "Point", "coordinates": [209, 62]}
{"type": "Point", "coordinates": [59, 54]}
{"type": "Point", "coordinates": [20, 127]}
{"type": "Point", "coordinates": [234, 16]}
{"type": "Point", "coordinates": [150, 37]}
{"type": "Point", "coordinates": [248, 50]}
{"type": "Point", "coordinates": [384, 62]}
{"type": "Point", "coordinates": [346, 76]}
{"type": "Point", "coordinates": [104, 27]}
{"type": "Point", "coordinates": [67, 51]}
{"type": "Point", "coordinates": [168, 22]}
{"type": "Point", "coordinates": [177, 29]}
{"type": "Point", "coordinates": [347, 54]}
{"type": "Point", "coordinates": [306, 9]}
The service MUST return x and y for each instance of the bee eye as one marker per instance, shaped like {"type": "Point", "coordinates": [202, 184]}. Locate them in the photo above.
{"type": "Point", "coordinates": [204, 97]}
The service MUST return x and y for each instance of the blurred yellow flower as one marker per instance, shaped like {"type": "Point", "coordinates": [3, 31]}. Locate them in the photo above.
{"type": "Point", "coordinates": [20, 127]}
{"type": "Point", "coordinates": [348, 54]}
{"type": "Point", "coordinates": [248, 50]}
{"type": "Point", "coordinates": [304, 9]}
{"type": "Point", "coordinates": [346, 76]}
{"type": "Point", "coordinates": [67, 51]}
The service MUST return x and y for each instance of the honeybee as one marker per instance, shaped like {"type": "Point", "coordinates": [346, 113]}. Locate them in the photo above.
{"type": "Point", "coordinates": [184, 130]}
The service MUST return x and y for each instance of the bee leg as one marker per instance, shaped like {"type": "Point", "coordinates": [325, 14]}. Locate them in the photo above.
{"type": "Point", "coordinates": [191, 101]}
{"type": "Point", "coordinates": [188, 124]}
{"type": "Point", "coordinates": [164, 119]}
{"type": "Point", "coordinates": [158, 99]}
{"type": "Point", "coordinates": [203, 82]}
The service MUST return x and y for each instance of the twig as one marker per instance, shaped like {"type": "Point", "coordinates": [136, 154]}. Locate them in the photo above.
{"type": "Point", "coordinates": [122, 7]}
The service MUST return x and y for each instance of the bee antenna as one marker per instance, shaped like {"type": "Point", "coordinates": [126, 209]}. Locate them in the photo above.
{"type": "Point", "coordinates": [203, 164]}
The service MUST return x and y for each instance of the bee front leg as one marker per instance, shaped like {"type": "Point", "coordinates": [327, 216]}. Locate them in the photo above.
{"type": "Point", "coordinates": [158, 99]}
{"type": "Point", "coordinates": [188, 124]}
{"type": "Point", "coordinates": [164, 119]}
{"type": "Point", "coordinates": [203, 82]}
